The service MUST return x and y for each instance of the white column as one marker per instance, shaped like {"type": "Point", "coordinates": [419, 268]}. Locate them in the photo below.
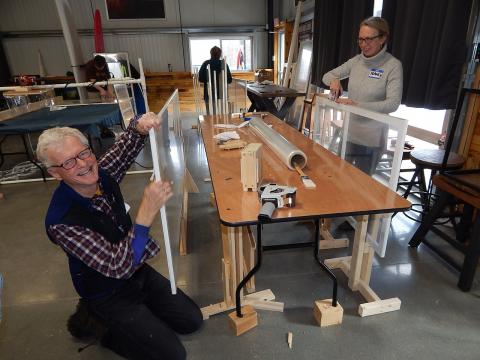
{"type": "Point", "coordinates": [73, 43]}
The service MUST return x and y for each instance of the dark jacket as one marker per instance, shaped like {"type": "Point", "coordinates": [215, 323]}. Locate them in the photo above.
{"type": "Point", "coordinates": [99, 75]}
{"type": "Point", "coordinates": [68, 207]}
{"type": "Point", "coordinates": [215, 65]}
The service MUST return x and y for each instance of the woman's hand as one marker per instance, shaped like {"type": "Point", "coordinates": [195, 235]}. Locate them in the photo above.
{"type": "Point", "coordinates": [147, 122]}
{"type": "Point", "coordinates": [345, 101]}
{"type": "Point", "coordinates": [336, 89]}
{"type": "Point", "coordinates": [154, 197]}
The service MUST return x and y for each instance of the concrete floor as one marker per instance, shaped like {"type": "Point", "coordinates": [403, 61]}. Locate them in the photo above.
{"type": "Point", "coordinates": [436, 321]}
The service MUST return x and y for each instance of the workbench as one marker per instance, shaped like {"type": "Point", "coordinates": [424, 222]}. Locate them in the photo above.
{"type": "Point", "coordinates": [341, 190]}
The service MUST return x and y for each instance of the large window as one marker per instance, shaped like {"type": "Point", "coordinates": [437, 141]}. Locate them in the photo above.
{"type": "Point", "coordinates": [236, 50]}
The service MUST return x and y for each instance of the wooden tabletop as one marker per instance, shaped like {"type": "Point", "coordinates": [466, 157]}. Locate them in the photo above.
{"type": "Point", "coordinates": [341, 188]}
{"type": "Point", "coordinates": [273, 91]}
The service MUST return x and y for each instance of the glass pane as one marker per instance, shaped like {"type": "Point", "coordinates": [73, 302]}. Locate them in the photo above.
{"type": "Point", "coordinates": [248, 54]}
{"type": "Point", "coordinates": [169, 165]}
{"type": "Point", "coordinates": [234, 53]}
{"type": "Point", "coordinates": [237, 95]}
{"type": "Point", "coordinates": [373, 144]}
{"type": "Point", "coordinates": [431, 120]}
{"type": "Point", "coordinates": [200, 50]}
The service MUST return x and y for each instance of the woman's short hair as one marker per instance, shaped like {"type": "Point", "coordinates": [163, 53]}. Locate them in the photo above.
{"type": "Point", "coordinates": [377, 23]}
{"type": "Point", "coordinates": [54, 137]}
{"type": "Point", "coordinates": [215, 52]}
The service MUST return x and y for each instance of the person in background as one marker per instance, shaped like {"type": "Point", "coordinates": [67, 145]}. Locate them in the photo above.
{"type": "Point", "coordinates": [240, 60]}
{"type": "Point", "coordinates": [124, 303]}
{"type": "Point", "coordinates": [215, 65]}
{"type": "Point", "coordinates": [97, 70]}
{"type": "Point", "coordinates": [375, 83]}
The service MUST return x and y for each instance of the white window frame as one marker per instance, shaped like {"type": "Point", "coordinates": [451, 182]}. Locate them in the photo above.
{"type": "Point", "coordinates": [220, 36]}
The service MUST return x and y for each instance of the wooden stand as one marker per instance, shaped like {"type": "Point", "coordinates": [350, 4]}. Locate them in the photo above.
{"type": "Point", "coordinates": [326, 314]}
{"type": "Point", "coordinates": [251, 166]}
{"type": "Point", "coordinates": [238, 259]}
{"type": "Point", "coordinates": [190, 187]}
{"type": "Point", "coordinates": [328, 241]}
{"type": "Point", "coordinates": [246, 322]}
{"type": "Point", "coordinates": [358, 269]}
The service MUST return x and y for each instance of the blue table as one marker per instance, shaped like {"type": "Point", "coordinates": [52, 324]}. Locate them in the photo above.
{"type": "Point", "coordinates": [86, 118]}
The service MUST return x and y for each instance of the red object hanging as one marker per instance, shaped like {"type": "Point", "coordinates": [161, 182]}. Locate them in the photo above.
{"type": "Point", "coordinates": [98, 32]}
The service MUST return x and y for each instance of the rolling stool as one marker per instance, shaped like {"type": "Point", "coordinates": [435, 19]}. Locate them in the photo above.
{"type": "Point", "coordinates": [430, 159]}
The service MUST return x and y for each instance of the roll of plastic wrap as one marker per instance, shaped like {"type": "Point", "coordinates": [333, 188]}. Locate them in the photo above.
{"type": "Point", "coordinates": [284, 149]}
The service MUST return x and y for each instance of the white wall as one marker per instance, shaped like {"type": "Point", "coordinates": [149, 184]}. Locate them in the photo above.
{"type": "Point", "coordinates": [158, 44]}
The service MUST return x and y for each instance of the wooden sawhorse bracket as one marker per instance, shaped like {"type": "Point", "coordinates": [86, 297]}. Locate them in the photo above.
{"type": "Point", "coordinates": [239, 246]}
{"type": "Point", "coordinates": [358, 269]}
{"type": "Point", "coordinates": [328, 241]}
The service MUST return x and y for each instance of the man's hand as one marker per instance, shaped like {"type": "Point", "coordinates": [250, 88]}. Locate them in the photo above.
{"type": "Point", "coordinates": [336, 89]}
{"type": "Point", "coordinates": [106, 95]}
{"type": "Point", "coordinates": [154, 197]}
{"type": "Point", "coordinates": [147, 122]}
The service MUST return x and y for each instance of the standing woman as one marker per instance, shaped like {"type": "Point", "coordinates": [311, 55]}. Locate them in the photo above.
{"type": "Point", "coordinates": [375, 83]}
{"type": "Point", "coordinates": [215, 65]}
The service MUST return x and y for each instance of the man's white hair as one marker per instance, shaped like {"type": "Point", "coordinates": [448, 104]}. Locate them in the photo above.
{"type": "Point", "coordinates": [55, 137]}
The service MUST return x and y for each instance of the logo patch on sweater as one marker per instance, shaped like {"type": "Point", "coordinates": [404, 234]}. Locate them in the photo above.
{"type": "Point", "coordinates": [375, 73]}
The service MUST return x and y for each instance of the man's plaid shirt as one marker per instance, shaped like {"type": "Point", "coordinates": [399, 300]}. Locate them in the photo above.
{"type": "Point", "coordinates": [112, 260]}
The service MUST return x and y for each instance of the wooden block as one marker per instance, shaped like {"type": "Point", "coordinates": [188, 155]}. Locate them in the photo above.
{"type": "Point", "coordinates": [214, 309]}
{"type": "Point", "coordinates": [246, 322]}
{"type": "Point", "coordinates": [290, 339]}
{"type": "Point", "coordinates": [233, 144]}
{"type": "Point", "coordinates": [268, 305]}
{"type": "Point", "coordinates": [334, 244]}
{"type": "Point", "coordinates": [263, 295]}
{"type": "Point", "coordinates": [251, 166]}
{"type": "Point", "coordinates": [326, 314]}
{"type": "Point", "coordinates": [367, 292]}
{"type": "Point", "coordinates": [379, 307]}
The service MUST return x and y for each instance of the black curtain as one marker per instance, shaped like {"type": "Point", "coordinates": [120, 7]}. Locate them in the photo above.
{"type": "Point", "coordinates": [429, 38]}
{"type": "Point", "coordinates": [335, 32]}
{"type": "Point", "coordinates": [4, 70]}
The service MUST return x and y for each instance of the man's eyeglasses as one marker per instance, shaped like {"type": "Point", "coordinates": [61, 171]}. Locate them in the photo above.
{"type": "Point", "coordinates": [70, 163]}
{"type": "Point", "coordinates": [367, 40]}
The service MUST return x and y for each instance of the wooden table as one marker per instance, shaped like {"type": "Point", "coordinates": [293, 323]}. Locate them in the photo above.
{"type": "Point", "coordinates": [453, 188]}
{"type": "Point", "coordinates": [341, 190]}
{"type": "Point", "coordinates": [263, 98]}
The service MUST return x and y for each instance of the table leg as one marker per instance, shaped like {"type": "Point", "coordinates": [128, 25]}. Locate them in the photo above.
{"type": "Point", "coordinates": [282, 112]}
{"type": "Point", "coordinates": [254, 100]}
{"type": "Point", "coordinates": [238, 260]}
{"type": "Point", "coordinates": [323, 266]}
{"type": "Point", "coordinates": [268, 104]}
{"type": "Point", "coordinates": [251, 272]}
{"type": "Point", "coordinates": [358, 268]}
{"type": "Point", "coordinates": [357, 252]}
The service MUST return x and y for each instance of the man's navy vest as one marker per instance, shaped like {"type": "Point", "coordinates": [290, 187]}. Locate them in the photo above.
{"type": "Point", "coordinates": [70, 208]}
